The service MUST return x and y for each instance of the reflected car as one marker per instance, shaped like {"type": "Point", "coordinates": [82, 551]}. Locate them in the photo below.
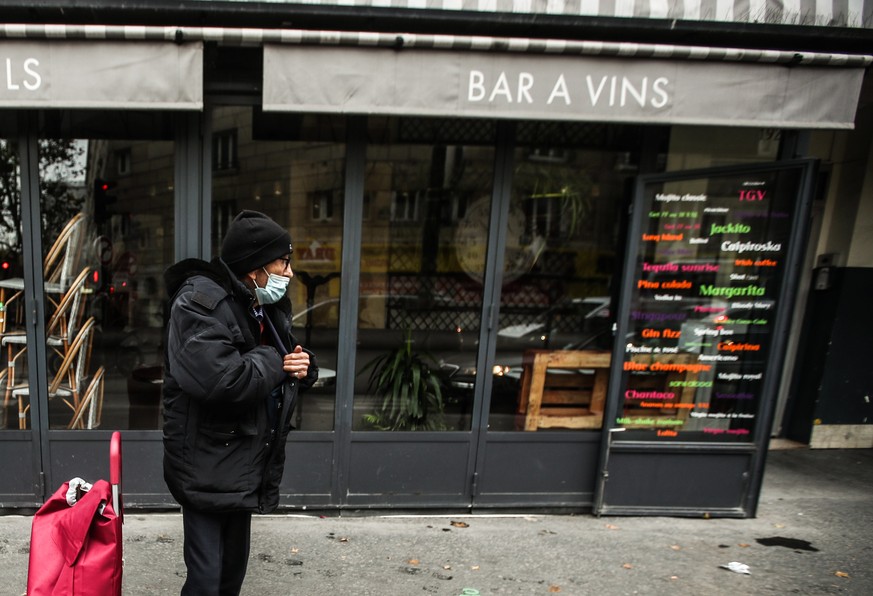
{"type": "Point", "coordinates": [580, 323]}
{"type": "Point", "coordinates": [595, 332]}
{"type": "Point", "coordinates": [316, 327]}
{"type": "Point", "coordinates": [725, 322]}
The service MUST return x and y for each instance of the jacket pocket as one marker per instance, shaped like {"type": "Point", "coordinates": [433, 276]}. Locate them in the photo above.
{"type": "Point", "coordinates": [223, 459]}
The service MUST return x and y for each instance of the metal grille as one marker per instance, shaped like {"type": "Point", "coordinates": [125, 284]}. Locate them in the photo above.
{"type": "Point", "coordinates": [578, 134]}
{"type": "Point", "coordinates": [439, 319]}
{"type": "Point", "coordinates": [561, 134]}
{"type": "Point", "coordinates": [450, 302]}
{"type": "Point", "coordinates": [447, 131]}
{"type": "Point", "coordinates": [404, 258]}
{"type": "Point", "coordinates": [437, 302]}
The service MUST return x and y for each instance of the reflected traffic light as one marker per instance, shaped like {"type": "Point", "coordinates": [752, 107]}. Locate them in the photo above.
{"type": "Point", "coordinates": [104, 196]}
{"type": "Point", "coordinates": [10, 265]}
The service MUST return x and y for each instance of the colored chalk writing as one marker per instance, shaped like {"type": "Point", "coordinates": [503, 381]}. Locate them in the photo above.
{"type": "Point", "coordinates": [707, 275]}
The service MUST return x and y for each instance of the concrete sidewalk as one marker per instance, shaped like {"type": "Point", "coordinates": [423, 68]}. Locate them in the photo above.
{"type": "Point", "coordinates": [816, 514]}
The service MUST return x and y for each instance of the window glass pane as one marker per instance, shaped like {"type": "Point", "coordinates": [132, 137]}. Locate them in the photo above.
{"type": "Point", "coordinates": [562, 260]}
{"type": "Point", "coordinates": [107, 219]}
{"type": "Point", "coordinates": [427, 200]}
{"type": "Point", "coordinates": [300, 185]}
{"type": "Point", "coordinates": [11, 270]}
{"type": "Point", "coordinates": [693, 147]}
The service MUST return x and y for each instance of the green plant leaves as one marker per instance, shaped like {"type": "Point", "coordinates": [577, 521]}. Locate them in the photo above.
{"type": "Point", "coordinates": [411, 391]}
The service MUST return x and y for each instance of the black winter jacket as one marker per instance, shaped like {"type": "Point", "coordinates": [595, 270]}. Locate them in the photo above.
{"type": "Point", "coordinates": [221, 451]}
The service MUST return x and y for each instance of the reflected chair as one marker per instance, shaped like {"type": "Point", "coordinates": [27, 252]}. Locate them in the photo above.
{"type": "Point", "coordinates": [62, 260]}
{"type": "Point", "coordinates": [6, 321]}
{"type": "Point", "coordinates": [92, 399]}
{"type": "Point", "coordinates": [68, 380]}
{"type": "Point", "coordinates": [4, 414]}
{"type": "Point", "coordinates": [61, 327]}
{"type": "Point", "coordinates": [59, 265]}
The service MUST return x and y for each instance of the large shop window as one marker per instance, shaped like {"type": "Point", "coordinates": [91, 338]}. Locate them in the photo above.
{"type": "Point", "coordinates": [421, 273]}
{"type": "Point", "coordinates": [300, 185]}
{"type": "Point", "coordinates": [106, 206]}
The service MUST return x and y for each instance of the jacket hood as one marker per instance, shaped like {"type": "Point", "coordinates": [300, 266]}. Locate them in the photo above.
{"type": "Point", "coordinates": [175, 276]}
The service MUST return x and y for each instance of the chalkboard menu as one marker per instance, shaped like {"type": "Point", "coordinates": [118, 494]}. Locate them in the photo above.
{"type": "Point", "coordinates": [709, 263]}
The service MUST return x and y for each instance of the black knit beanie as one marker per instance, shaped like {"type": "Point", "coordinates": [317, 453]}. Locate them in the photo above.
{"type": "Point", "coordinates": [252, 241]}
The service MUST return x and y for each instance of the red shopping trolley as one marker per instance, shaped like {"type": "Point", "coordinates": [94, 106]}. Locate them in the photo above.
{"type": "Point", "coordinates": [75, 548]}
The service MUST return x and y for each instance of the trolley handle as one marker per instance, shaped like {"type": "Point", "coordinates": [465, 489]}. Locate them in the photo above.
{"type": "Point", "coordinates": [115, 472]}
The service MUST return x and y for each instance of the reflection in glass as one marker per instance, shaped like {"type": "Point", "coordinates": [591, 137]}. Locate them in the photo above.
{"type": "Point", "coordinates": [422, 264]}
{"type": "Point", "coordinates": [298, 184]}
{"type": "Point", "coordinates": [111, 341]}
{"type": "Point", "coordinates": [104, 221]}
{"type": "Point", "coordinates": [11, 271]}
{"type": "Point", "coordinates": [562, 241]}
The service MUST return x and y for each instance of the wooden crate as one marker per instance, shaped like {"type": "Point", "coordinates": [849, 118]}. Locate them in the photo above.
{"type": "Point", "coordinates": [563, 388]}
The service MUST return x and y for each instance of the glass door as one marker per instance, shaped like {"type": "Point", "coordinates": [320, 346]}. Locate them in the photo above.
{"type": "Point", "coordinates": [18, 440]}
{"type": "Point", "coordinates": [84, 244]}
{"type": "Point", "coordinates": [478, 257]}
{"type": "Point", "coordinates": [561, 252]}
{"type": "Point", "coordinates": [292, 168]}
{"type": "Point", "coordinates": [422, 268]}
{"type": "Point", "coordinates": [102, 212]}
{"type": "Point", "coordinates": [107, 216]}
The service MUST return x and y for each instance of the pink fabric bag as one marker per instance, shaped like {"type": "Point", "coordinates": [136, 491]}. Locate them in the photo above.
{"type": "Point", "coordinates": [77, 550]}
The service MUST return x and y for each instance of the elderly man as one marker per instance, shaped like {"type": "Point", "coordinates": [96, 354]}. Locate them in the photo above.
{"type": "Point", "coordinates": [232, 372]}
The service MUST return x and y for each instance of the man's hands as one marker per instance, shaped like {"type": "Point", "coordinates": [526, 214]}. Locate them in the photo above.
{"type": "Point", "coordinates": [296, 363]}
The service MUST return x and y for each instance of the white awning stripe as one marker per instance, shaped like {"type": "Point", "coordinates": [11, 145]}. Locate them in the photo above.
{"type": "Point", "coordinates": [234, 36]}
{"type": "Point", "coordinates": [817, 13]}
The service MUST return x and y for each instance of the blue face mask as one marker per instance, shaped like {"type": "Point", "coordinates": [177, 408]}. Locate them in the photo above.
{"type": "Point", "coordinates": [271, 293]}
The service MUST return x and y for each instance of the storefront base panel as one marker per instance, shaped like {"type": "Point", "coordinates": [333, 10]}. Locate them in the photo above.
{"type": "Point", "coordinates": [306, 483]}
{"type": "Point", "coordinates": [85, 454]}
{"type": "Point", "coordinates": [704, 483]}
{"type": "Point", "coordinates": [390, 473]}
{"type": "Point", "coordinates": [308, 470]}
{"type": "Point", "coordinates": [548, 470]}
{"type": "Point", "coordinates": [16, 453]}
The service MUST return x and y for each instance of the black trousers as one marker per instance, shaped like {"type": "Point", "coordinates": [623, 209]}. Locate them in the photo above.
{"type": "Point", "coordinates": [216, 551]}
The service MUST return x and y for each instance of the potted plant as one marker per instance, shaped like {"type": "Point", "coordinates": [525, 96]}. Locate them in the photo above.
{"type": "Point", "coordinates": [411, 390]}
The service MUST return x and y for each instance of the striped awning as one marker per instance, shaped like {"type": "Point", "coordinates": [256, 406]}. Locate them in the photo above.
{"type": "Point", "coordinates": [255, 37]}
{"type": "Point", "coordinates": [462, 76]}
{"type": "Point", "coordinates": [821, 13]}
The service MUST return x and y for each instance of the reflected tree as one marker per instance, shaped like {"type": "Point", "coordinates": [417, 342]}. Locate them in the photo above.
{"type": "Point", "coordinates": [61, 188]}
{"type": "Point", "coordinates": [557, 198]}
